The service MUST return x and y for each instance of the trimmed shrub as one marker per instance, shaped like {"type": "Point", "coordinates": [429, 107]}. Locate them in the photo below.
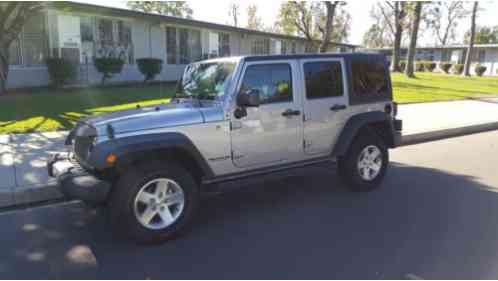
{"type": "Point", "coordinates": [480, 69]}
{"type": "Point", "coordinates": [458, 68]}
{"type": "Point", "coordinates": [60, 71]}
{"type": "Point", "coordinates": [429, 66]}
{"type": "Point", "coordinates": [402, 65]}
{"type": "Point", "coordinates": [419, 66]}
{"type": "Point", "coordinates": [445, 66]}
{"type": "Point", "coordinates": [108, 67]}
{"type": "Point", "coordinates": [149, 67]}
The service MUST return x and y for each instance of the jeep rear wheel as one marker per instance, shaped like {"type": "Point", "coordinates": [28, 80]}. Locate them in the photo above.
{"type": "Point", "coordinates": [155, 203]}
{"type": "Point", "coordinates": [364, 165]}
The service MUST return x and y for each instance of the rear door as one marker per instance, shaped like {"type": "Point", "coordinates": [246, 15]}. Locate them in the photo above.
{"type": "Point", "coordinates": [325, 103]}
{"type": "Point", "coordinates": [272, 132]}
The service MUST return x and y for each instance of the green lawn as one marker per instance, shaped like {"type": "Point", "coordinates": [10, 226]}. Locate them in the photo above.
{"type": "Point", "coordinates": [429, 87]}
{"type": "Point", "coordinates": [49, 110]}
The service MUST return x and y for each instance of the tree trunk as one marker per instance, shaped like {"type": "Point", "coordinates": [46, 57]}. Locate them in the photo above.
{"type": "Point", "coordinates": [409, 71]}
{"type": "Point", "coordinates": [468, 57]}
{"type": "Point", "coordinates": [4, 67]}
{"type": "Point", "coordinates": [398, 10]}
{"type": "Point", "coordinates": [328, 26]}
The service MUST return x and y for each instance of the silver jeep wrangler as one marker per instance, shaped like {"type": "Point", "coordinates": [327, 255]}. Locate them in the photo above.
{"type": "Point", "coordinates": [230, 119]}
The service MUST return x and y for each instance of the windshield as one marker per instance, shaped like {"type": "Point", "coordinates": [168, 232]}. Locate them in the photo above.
{"type": "Point", "coordinates": [205, 80]}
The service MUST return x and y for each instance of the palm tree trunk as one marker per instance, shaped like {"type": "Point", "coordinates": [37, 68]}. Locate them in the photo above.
{"type": "Point", "coordinates": [328, 25]}
{"type": "Point", "coordinates": [470, 48]}
{"type": "Point", "coordinates": [397, 36]}
{"type": "Point", "coordinates": [4, 67]}
{"type": "Point", "coordinates": [409, 71]}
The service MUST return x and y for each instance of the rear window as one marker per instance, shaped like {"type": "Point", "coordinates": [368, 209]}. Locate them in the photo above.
{"type": "Point", "coordinates": [323, 79]}
{"type": "Point", "coordinates": [370, 80]}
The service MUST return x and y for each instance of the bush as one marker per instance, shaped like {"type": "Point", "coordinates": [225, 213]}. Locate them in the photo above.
{"type": "Point", "coordinates": [419, 66]}
{"type": "Point", "coordinates": [60, 71]}
{"type": "Point", "coordinates": [429, 66]}
{"type": "Point", "coordinates": [149, 67]}
{"type": "Point", "coordinates": [108, 67]}
{"type": "Point", "coordinates": [445, 66]}
{"type": "Point", "coordinates": [402, 65]}
{"type": "Point", "coordinates": [480, 69]}
{"type": "Point", "coordinates": [458, 68]}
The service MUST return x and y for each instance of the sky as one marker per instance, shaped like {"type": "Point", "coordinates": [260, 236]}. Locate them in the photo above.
{"type": "Point", "coordinates": [217, 11]}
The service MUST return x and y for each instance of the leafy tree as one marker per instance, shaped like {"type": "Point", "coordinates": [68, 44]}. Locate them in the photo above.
{"type": "Point", "coordinates": [179, 9]}
{"type": "Point", "coordinates": [413, 40]}
{"type": "Point", "coordinates": [13, 16]}
{"type": "Point", "coordinates": [393, 18]}
{"type": "Point", "coordinates": [375, 37]}
{"type": "Point", "coordinates": [325, 21]}
{"type": "Point", "coordinates": [253, 21]}
{"type": "Point", "coordinates": [484, 35]}
{"type": "Point", "coordinates": [470, 48]}
{"type": "Point", "coordinates": [443, 18]}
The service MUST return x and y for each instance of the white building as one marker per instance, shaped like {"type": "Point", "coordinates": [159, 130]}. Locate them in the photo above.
{"type": "Point", "coordinates": [483, 54]}
{"type": "Point", "coordinates": [82, 32]}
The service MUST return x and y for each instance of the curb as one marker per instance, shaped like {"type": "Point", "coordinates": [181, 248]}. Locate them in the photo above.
{"type": "Point", "coordinates": [447, 133]}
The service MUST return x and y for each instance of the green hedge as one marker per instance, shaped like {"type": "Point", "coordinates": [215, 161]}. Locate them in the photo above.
{"type": "Point", "coordinates": [445, 66]}
{"type": "Point", "coordinates": [149, 67]}
{"type": "Point", "coordinates": [402, 65]}
{"type": "Point", "coordinates": [429, 66]}
{"type": "Point", "coordinates": [480, 69]}
{"type": "Point", "coordinates": [458, 68]}
{"type": "Point", "coordinates": [419, 66]}
{"type": "Point", "coordinates": [108, 67]}
{"type": "Point", "coordinates": [60, 71]}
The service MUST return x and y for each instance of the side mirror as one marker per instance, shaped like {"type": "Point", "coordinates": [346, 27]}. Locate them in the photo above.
{"type": "Point", "coordinates": [250, 98]}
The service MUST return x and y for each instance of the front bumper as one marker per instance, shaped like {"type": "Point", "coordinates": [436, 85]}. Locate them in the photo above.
{"type": "Point", "coordinates": [75, 182]}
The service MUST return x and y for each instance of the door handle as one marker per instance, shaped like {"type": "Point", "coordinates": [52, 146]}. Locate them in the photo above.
{"type": "Point", "coordinates": [290, 112]}
{"type": "Point", "coordinates": [337, 107]}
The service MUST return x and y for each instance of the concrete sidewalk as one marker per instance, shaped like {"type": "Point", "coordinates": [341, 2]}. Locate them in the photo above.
{"type": "Point", "coordinates": [23, 157]}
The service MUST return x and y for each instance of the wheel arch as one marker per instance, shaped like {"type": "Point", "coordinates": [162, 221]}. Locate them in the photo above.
{"type": "Point", "coordinates": [165, 146]}
{"type": "Point", "coordinates": [376, 121]}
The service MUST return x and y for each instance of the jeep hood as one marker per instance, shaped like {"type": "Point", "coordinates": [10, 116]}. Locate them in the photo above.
{"type": "Point", "coordinates": [147, 118]}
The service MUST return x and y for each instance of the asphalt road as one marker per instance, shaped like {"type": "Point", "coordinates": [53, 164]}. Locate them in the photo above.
{"type": "Point", "coordinates": [435, 217]}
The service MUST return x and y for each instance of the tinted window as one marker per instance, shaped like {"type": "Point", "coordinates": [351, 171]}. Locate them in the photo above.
{"type": "Point", "coordinates": [370, 80]}
{"type": "Point", "coordinates": [272, 80]}
{"type": "Point", "coordinates": [323, 79]}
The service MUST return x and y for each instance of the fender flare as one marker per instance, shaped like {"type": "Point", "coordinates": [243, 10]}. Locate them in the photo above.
{"type": "Point", "coordinates": [127, 147]}
{"type": "Point", "coordinates": [354, 125]}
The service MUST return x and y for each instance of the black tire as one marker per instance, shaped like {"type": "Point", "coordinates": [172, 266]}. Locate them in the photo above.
{"type": "Point", "coordinates": [121, 208]}
{"type": "Point", "coordinates": [348, 164]}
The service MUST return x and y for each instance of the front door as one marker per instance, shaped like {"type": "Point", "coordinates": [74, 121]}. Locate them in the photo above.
{"type": "Point", "coordinates": [272, 132]}
{"type": "Point", "coordinates": [325, 104]}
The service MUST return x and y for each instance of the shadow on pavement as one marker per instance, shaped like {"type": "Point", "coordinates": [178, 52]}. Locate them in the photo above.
{"type": "Point", "coordinates": [423, 222]}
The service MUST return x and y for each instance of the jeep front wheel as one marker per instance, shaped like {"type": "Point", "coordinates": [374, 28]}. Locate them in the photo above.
{"type": "Point", "coordinates": [155, 203]}
{"type": "Point", "coordinates": [364, 165]}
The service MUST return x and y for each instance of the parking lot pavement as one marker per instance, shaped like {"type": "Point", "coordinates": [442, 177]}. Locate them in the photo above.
{"type": "Point", "coordinates": [434, 218]}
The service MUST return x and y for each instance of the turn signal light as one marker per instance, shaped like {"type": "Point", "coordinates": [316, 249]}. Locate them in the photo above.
{"type": "Point", "coordinates": [111, 158]}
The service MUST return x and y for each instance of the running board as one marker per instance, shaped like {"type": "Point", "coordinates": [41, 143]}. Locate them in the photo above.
{"type": "Point", "coordinates": [267, 170]}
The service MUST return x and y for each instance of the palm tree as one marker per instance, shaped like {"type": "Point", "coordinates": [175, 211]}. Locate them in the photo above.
{"type": "Point", "coordinates": [468, 57]}
{"type": "Point", "coordinates": [413, 40]}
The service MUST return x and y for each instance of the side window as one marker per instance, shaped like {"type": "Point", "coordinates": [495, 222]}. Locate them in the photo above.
{"type": "Point", "coordinates": [323, 80]}
{"type": "Point", "coordinates": [369, 79]}
{"type": "Point", "coordinates": [272, 80]}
